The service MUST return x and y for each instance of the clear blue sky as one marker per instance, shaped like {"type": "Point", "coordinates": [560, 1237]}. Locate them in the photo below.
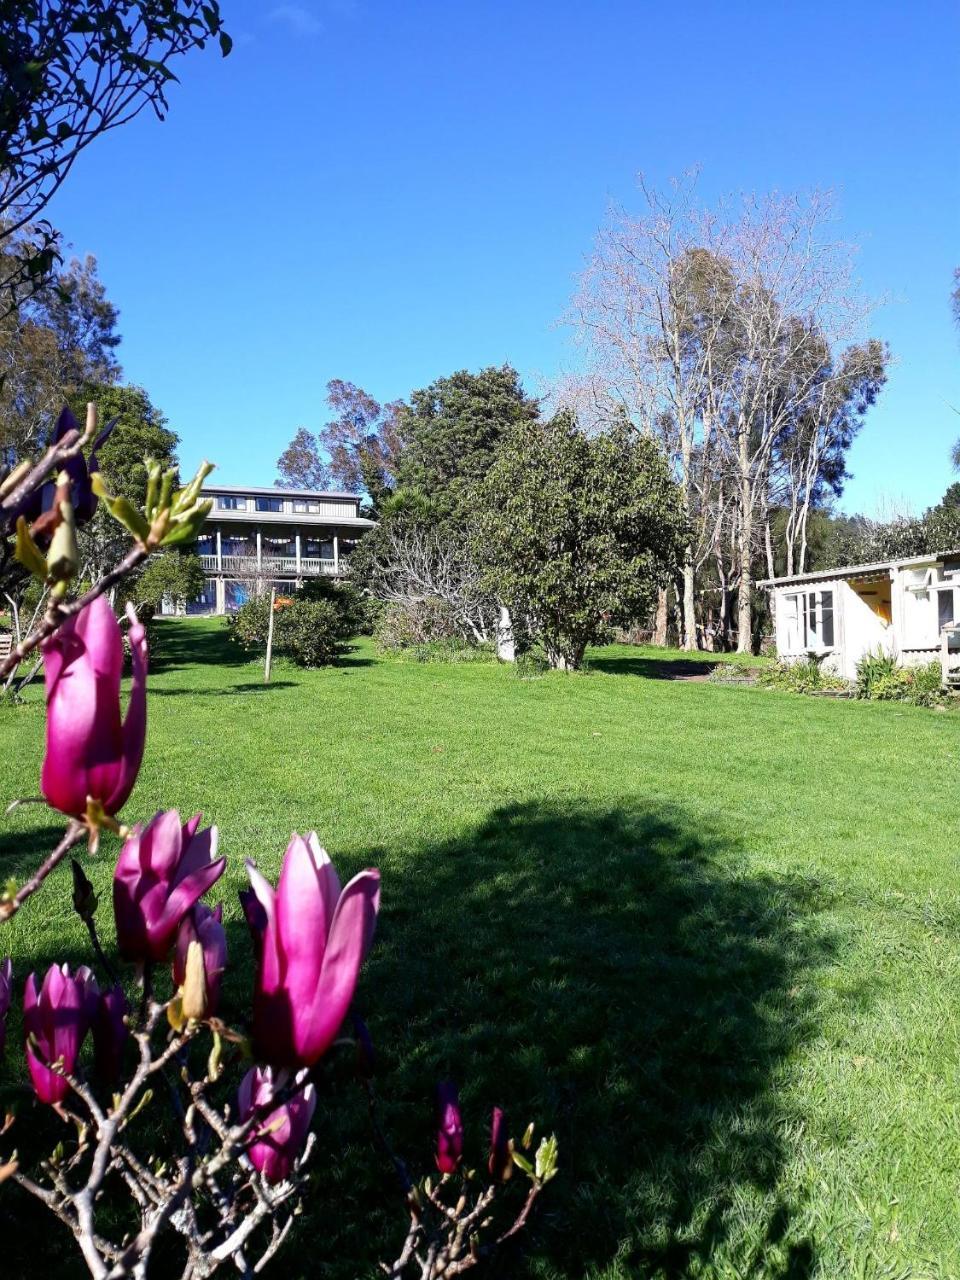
{"type": "Point", "coordinates": [385, 192]}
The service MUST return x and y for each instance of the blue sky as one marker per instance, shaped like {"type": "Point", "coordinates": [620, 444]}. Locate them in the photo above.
{"type": "Point", "coordinates": [386, 192]}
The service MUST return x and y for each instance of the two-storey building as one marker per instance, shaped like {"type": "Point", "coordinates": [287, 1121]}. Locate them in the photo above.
{"type": "Point", "coordinates": [255, 537]}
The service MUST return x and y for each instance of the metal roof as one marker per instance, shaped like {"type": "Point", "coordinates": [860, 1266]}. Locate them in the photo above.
{"type": "Point", "coordinates": [859, 570]}
{"type": "Point", "coordinates": [275, 491]}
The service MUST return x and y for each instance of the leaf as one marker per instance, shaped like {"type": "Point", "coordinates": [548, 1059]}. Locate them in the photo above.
{"type": "Point", "coordinates": [28, 553]}
{"type": "Point", "coordinates": [522, 1163]}
{"type": "Point", "coordinates": [226, 44]}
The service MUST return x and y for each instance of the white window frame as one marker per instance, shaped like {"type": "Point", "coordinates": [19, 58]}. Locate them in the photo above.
{"type": "Point", "coordinates": [804, 613]}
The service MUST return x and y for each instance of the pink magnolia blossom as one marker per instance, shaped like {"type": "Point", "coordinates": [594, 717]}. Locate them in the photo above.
{"type": "Point", "coordinates": [313, 937]}
{"type": "Point", "coordinates": [500, 1160]}
{"type": "Point", "coordinates": [91, 753]}
{"type": "Point", "coordinates": [449, 1128]}
{"type": "Point", "coordinates": [204, 926]}
{"type": "Point", "coordinates": [278, 1139]}
{"type": "Point", "coordinates": [56, 1019]}
{"type": "Point", "coordinates": [161, 872]}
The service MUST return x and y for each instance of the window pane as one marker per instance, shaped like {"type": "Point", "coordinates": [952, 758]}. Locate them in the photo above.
{"type": "Point", "coordinates": [826, 619]}
{"type": "Point", "coordinates": [269, 504]}
{"type": "Point", "coordinates": [945, 616]}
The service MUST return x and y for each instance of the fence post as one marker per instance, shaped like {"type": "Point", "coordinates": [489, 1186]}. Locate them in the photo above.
{"type": "Point", "coordinates": [266, 667]}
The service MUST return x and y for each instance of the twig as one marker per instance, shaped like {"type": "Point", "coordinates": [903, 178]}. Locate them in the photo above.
{"type": "Point", "coordinates": [73, 835]}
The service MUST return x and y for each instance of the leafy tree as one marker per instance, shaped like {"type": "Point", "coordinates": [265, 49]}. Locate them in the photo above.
{"type": "Point", "coordinates": [301, 465]}
{"type": "Point", "coordinates": [578, 533]}
{"type": "Point", "coordinates": [70, 70]}
{"type": "Point", "coordinates": [451, 429]}
{"type": "Point", "coordinates": [357, 449]}
{"type": "Point", "coordinates": [57, 340]}
{"type": "Point", "coordinates": [141, 432]}
{"type": "Point", "coordinates": [952, 496]}
{"type": "Point", "coordinates": [174, 574]}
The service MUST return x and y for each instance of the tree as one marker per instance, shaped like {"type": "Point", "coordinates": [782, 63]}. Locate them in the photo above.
{"type": "Point", "coordinates": [70, 71]}
{"type": "Point", "coordinates": [55, 342]}
{"type": "Point", "coordinates": [720, 332]}
{"type": "Point", "coordinates": [174, 574]}
{"type": "Point", "coordinates": [301, 465]}
{"type": "Point", "coordinates": [451, 429]}
{"type": "Point", "coordinates": [140, 432]}
{"type": "Point", "coordinates": [578, 533]}
{"type": "Point", "coordinates": [357, 449]}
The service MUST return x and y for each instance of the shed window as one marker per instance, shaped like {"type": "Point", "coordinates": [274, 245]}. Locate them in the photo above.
{"type": "Point", "coordinates": [809, 621]}
{"type": "Point", "coordinates": [227, 502]}
{"type": "Point", "coordinates": [269, 504]}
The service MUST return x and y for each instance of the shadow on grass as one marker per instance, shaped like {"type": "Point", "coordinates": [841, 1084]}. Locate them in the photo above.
{"type": "Point", "coordinates": [616, 976]}
{"type": "Point", "coordinates": [653, 668]}
{"type": "Point", "coordinates": [225, 691]}
{"type": "Point", "coordinates": [176, 643]}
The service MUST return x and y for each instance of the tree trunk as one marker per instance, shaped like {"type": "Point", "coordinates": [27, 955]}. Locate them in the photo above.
{"type": "Point", "coordinates": [689, 603]}
{"type": "Point", "coordinates": [745, 592]}
{"type": "Point", "coordinates": [660, 622]}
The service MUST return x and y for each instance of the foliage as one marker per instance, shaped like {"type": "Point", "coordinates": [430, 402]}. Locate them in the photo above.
{"type": "Point", "coordinates": [310, 632]}
{"type": "Point", "coordinates": [873, 666]}
{"type": "Point", "coordinates": [175, 574]}
{"type": "Point", "coordinates": [357, 449]}
{"type": "Point", "coordinates": [416, 563]}
{"type": "Point", "coordinates": [804, 676]}
{"type": "Point", "coordinates": [54, 342]}
{"type": "Point", "coordinates": [577, 533]}
{"type": "Point", "coordinates": [859, 540]}
{"type": "Point", "coordinates": [300, 465]}
{"type": "Point", "coordinates": [920, 685]}
{"type": "Point", "coordinates": [355, 608]}
{"type": "Point", "coordinates": [404, 626]}
{"type": "Point", "coordinates": [70, 70]}
{"type": "Point", "coordinates": [450, 432]}
{"type": "Point", "coordinates": [141, 433]}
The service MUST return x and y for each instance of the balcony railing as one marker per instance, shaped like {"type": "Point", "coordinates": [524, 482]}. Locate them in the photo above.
{"type": "Point", "coordinates": [283, 566]}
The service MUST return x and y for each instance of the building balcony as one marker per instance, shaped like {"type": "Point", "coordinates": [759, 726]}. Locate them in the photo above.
{"type": "Point", "coordinates": [273, 566]}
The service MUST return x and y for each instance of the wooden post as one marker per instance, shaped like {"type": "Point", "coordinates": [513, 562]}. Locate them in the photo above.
{"type": "Point", "coordinates": [266, 667]}
{"type": "Point", "coordinates": [259, 553]}
{"type": "Point", "coordinates": [298, 553]}
{"type": "Point", "coordinates": [219, 551]}
{"type": "Point", "coordinates": [336, 554]}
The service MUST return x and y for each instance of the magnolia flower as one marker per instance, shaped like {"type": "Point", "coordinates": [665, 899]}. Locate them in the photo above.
{"type": "Point", "coordinates": [313, 937]}
{"type": "Point", "coordinates": [161, 872]}
{"type": "Point", "coordinates": [449, 1128]}
{"type": "Point", "coordinates": [204, 927]}
{"type": "Point", "coordinates": [92, 754]}
{"type": "Point", "coordinates": [56, 1019]}
{"type": "Point", "coordinates": [6, 991]}
{"type": "Point", "coordinates": [110, 1034]}
{"type": "Point", "coordinates": [278, 1139]}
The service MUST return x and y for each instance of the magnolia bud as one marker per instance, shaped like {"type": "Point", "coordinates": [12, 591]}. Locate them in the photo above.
{"type": "Point", "coordinates": [63, 558]}
{"type": "Point", "coordinates": [84, 898]}
{"type": "Point", "coordinates": [193, 993]}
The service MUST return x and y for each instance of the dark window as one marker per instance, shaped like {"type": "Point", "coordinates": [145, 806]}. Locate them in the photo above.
{"type": "Point", "coordinates": [945, 616]}
{"type": "Point", "coordinates": [269, 504]}
{"type": "Point", "coordinates": [228, 503]}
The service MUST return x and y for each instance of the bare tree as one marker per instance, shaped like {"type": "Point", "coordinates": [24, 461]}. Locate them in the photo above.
{"type": "Point", "coordinates": [720, 333]}
{"type": "Point", "coordinates": [407, 563]}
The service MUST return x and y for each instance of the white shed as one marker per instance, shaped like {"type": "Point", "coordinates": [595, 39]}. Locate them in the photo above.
{"type": "Point", "coordinates": [900, 606]}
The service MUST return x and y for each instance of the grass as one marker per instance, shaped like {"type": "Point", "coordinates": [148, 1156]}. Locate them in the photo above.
{"type": "Point", "coordinates": [709, 935]}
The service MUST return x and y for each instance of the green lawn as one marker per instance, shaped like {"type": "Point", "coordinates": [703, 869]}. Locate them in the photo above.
{"type": "Point", "coordinates": [709, 935]}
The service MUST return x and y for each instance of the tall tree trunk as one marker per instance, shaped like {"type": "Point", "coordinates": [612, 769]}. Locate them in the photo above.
{"type": "Point", "coordinates": [689, 602]}
{"type": "Point", "coordinates": [745, 592]}
{"type": "Point", "coordinates": [689, 597]}
{"type": "Point", "coordinates": [660, 622]}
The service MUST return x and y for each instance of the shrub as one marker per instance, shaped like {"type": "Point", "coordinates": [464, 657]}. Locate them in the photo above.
{"type": "Point", "coordinates": [873, 667]}
{"type": "Point", "coordinates": [311, 632]}
{"type": "Point", "coordinates": [402, 626]}
{"type": "Point", "coordinates": [805, 676]}
{"type": "Point", "coordinates": [732, 673]}
{"type": "Point", "coordinates": [453, 649]}
{"type": "Point", "coordinates": [920, 686]}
